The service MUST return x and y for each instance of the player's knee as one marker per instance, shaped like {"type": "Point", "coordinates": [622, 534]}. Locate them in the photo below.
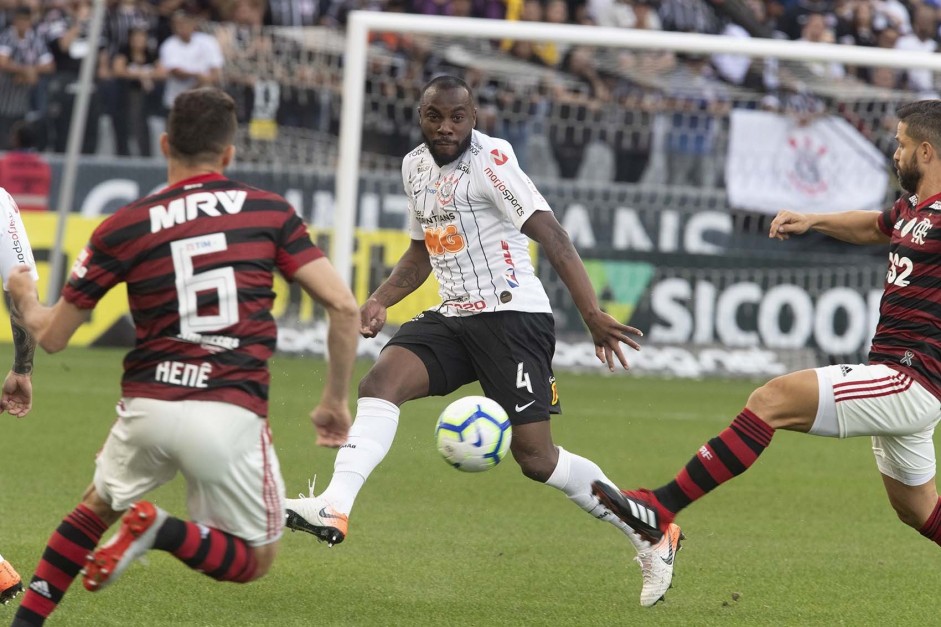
{"type": "Point", "coordinates": [264, 558]}
{"type": "Point", "coordinates": [373, 385]}
{"type": "Point", "coordinates": [907, 515]}
{"type": "Point", "coordinates": [768, 402]}
{"type": "Point", "coordinates": [535, 465]}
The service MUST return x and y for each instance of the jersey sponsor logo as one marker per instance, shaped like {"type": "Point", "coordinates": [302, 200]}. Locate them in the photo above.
{"type": "Point", "coordinates": [508, 195]}
{"type": "Point", "coordinates": [211, 343]}
{"type": "Point", "coordinates": [435, 218]}
{"type": "Point", "coordinates": [908, 358]}
{"type": "Point", "coordinates": [441, 240]}
{"type": "Point", "coordinates": [183, 374]}
{"type": "Point", "coordinates": [553, 387]}
{"type": "Point", "coordinates": [187, 208]}
{"type": "Point", "coordinates": [13, 231]}
{"type": "Point", "coordinates": [908, 227]}
{"type": "Point", "coordinates": [80, 267]}
{"type": "Point", "coordinates": [509, 275]}
{"type": "Point", "coordinates": [418, 151]}
{"type": "Point", "coordinates": [498, 157]}
{"type": "Point", "coordinates": [464, 167]}
{"type": "Point", "coordinates": [477, 305]}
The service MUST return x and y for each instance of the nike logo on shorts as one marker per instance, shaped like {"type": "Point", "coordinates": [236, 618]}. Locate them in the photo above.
{"type": "Point", "coordinates": [520, 408]}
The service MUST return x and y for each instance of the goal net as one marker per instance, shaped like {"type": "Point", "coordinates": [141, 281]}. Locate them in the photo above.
{"type": "Point", "coordinates": [663, 154]}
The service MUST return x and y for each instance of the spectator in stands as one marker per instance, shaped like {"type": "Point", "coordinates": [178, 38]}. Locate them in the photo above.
{"type": "Point", "coordinates": [190, 58]}
{"type": "Point", "coordinates": [688, 16]}
{"type": "Point", "coordinates": [895, 13]}
{"type": "Point", "coordinates": [859, 29]}
{"type": "Point", "coordinates": [576, 105]}
{"type": "Point", "coordinates": [625, 13]}
{"type": "Point", "coordinates": [294, 12]}
{"type": "Point", "coordinates": [695, 104]}
{"type": "Point", "coordinates": [795, 16]}
{"type": "Point", "coordinates": [632, 130]}
{"type": "Point", "coordinates": [67, 35]}
{"type": "Point", "coordinates": [643, 16]}
{"type": "Point", "coordinates": [24, 173]}
{"type": "Point", "coordinates": [923, 38]}
{"type": "Point", "coordinates": [24, 59]}
{"type": "Point", "coordinates": [756, 74]}
{"type": "Point", "coordinates": [138, 78]}
{"type": "Point", "coordinates": [817, 30]}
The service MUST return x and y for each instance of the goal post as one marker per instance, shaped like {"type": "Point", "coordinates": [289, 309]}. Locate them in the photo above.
{"type": "Point", "coordinates": [362, 23]}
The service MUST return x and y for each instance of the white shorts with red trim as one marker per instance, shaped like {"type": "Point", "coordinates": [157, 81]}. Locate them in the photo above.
{"type": "Point", "coordinates": [224, 451]}
{"type": "Point", "coordinates": [893, 408]}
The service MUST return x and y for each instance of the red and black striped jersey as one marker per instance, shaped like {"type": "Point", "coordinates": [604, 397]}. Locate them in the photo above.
{"type": "Point", "coordinates": [199, 260]}
{"type": "Point", "coordinates": [908, 336]}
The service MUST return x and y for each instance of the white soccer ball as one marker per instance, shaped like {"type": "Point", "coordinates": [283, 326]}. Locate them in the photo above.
{"type": "Point", "coordinates": [473, 433]}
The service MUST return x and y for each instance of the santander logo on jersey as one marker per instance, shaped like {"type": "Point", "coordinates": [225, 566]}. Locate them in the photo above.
{"type": "Point", "coordinates": [498, 157]}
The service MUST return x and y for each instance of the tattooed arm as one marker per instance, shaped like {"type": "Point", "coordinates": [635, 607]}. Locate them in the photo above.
{"type": "Point", "coordinates": [407, 276]}
{"type": "Point", "coordinates": [17, 392]}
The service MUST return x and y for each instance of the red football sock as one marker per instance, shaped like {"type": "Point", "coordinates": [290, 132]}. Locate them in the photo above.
{"type": "Point", "coordinates": [932, 527]}
{"type": "Point", "coordinates": [76, 537]}
{"type": "Point", "coordinates": [215, 553]}
{"type": "Point", "coordinates": [721, 458]}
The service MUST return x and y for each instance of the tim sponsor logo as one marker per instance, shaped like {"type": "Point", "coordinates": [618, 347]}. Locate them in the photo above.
{"type": "Point", "coordinates": [501, 187]}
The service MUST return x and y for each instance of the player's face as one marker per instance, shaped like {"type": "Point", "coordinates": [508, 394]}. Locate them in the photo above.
{"type": "Point", "coordinates": [447, 117]}
{"type": "Point", "coordinates": [906, 164]}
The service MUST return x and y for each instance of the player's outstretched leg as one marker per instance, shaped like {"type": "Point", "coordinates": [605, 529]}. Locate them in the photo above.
{"type": "Point", "coordinates": [728, 455]}
{"type": "Point", "coordinates": [573, 475]}
{"type": "Point", "coordinates": [145, 526]}
{"type": "Point", "coordinates": [63, 558]}
{"type": "Point", "coordinates": [10, 583]}
{"type": "Point", "coordinates": [327, 516]}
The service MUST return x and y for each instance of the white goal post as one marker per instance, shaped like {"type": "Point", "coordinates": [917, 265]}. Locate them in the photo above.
{"type": "Point", "coordinates": [362, 23]}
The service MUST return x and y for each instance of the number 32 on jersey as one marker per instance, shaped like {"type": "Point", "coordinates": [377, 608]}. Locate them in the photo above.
{"type": "Point", "coordinates": [899, 269]}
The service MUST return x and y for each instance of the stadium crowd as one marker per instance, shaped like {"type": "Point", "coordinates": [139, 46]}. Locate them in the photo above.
{"type": "Point", "coordinates": [559, 104]}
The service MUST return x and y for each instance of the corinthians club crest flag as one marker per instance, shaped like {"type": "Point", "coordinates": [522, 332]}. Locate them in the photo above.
{"type": "Point", "coordinates": [824, 166]}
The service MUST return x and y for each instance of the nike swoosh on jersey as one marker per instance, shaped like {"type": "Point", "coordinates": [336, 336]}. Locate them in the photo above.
{"type": "Point", "coordinates": [520, 408]}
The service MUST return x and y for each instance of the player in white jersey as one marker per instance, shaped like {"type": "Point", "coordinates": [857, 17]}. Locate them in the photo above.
{"type": "Point", "coordinates": [472, 212]}
{"type": "Point", "coordinates": [17, 392]}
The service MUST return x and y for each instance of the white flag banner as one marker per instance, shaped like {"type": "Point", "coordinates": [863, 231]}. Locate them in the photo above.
{"type": "Point", "coordinates": [824, 166]}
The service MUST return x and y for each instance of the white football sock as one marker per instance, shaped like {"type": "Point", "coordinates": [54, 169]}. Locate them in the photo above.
{"type": "Point", "coordinates": [370, 439]}
{"type": "Point", "coordinates": [573, 476]}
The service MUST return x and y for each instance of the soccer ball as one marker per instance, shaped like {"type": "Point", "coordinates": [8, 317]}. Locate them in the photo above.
{"type": "Point", "coordinates": [473, 433]}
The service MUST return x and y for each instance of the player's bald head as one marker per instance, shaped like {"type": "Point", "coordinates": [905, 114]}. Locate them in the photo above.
{"type": "Point", "coordinates": [445, 83]}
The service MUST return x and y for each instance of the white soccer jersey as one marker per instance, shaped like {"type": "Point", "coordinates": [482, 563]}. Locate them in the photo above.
{"type": "Point", "coordinates": [469, 213]}
{"type": "Point", "coordinates": [14, 245]}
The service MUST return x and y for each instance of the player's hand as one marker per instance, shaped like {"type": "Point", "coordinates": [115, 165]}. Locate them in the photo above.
{"type": "Point", "coordinates": [608, 334]}
{"type": "Point", "coordinates": [17, 394]}
{"type": "Point", "coordinates": [332, 422]}
{"type": "Point", "coordinates": [788, 223]}
{"type": "Point", "coordinates": [372, 317]}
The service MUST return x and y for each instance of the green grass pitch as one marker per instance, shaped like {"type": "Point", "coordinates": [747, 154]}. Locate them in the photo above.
{"type": "Point", "coordinates": [804, 538]}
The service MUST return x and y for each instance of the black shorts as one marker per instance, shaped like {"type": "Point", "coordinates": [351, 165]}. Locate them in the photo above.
{"type": "Point", "coordinates": [509, 352]}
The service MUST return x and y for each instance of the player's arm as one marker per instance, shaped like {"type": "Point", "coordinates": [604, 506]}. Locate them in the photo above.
{"type": "Point", "coordinates": [409, 273]}
{"type": "Point", "coordinates": [322, 282]}
{"type": "Point", "coordinates": [606, 332]}
{"type": "Point", "coordinates": [16, 393]}
{"type": "Point", "coordinates": [52, 327]}
{"type": "Point", "coordinates": [855, 227]}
